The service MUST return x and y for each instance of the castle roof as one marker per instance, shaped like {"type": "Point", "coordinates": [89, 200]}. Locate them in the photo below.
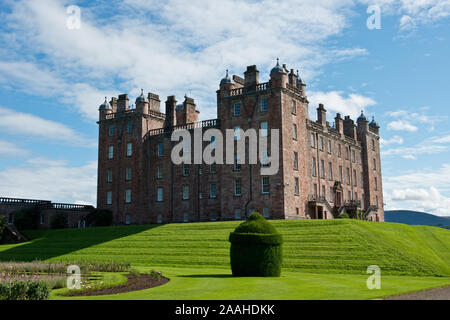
{"type": "Point", "coordinates": [362, 117]}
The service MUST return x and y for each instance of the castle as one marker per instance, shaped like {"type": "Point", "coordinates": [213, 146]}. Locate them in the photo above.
{"type": "Point", "coordinates": [324, 171]}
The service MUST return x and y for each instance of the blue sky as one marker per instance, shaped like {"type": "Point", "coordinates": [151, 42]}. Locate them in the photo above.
{"type": "Point", "coordinates": [52, 79]}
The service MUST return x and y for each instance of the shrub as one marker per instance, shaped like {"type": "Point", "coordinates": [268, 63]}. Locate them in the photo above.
{"type": "Point", "coordinates": [59, 221]}
{"type": "Point", "coordinates": [24, 290]}
{"type": "Point", "coordinates": [256, 248]}
{"type": "Point", "coordinates": [344, 215]}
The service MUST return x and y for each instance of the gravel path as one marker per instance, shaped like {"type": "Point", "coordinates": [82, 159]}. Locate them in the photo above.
{"type": "Point", "coordinates": [432, 294]}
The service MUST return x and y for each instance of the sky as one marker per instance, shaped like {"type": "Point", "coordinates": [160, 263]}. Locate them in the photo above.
{"type": "Point", "coordinates": [54, 74]}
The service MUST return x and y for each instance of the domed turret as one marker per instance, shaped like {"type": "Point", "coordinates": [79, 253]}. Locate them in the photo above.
{"type": "Point", "coordinates": [373, 123]}
{"type": "Point", "coordinates": [105, 105]}
{"type": "Point", "coordinates": [362, 117]}
{"type": "Point", "coordinates": [227, 79]}
{"type": "Point", "coordinates": [299, 80]}
{"type": "Point", "coordinates": [141, 98]}
{"type": "Point", "coordinates": [277, 68]}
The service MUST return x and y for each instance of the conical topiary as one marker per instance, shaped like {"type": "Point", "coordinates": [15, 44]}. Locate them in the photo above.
{"type": "Point", "coordinates": [256, 248]}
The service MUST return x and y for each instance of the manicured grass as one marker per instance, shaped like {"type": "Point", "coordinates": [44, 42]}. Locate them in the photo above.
{"type": "Point", "coordinates": [322, 259]}
{"type": "Point", "coordinates": [218, 284]}
{"type": "Point", "coordinates": [333, 246]}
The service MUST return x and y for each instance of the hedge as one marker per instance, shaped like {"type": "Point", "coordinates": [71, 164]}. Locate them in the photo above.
{"type": "Point", "coordinates": [256, 248]}
{"type": "Point", "coordinates": [24, 290]}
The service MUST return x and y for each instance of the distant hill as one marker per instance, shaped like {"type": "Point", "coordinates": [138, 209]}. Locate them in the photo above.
{"type": "Point", "coordinates": [416, 218]}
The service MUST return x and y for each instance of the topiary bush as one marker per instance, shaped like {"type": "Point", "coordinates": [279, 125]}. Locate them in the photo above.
{"type": "Point", "coordinates": [256, 248]}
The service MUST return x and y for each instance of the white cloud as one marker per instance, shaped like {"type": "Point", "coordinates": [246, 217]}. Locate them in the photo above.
{"type": "Point", "coordinates": [336, 101]}
{"type": "Point", "coordinates": [423, 190]}
{"type": "Point", "coordinates": [413, 152]}
{"type": "Point", "coordinates": [393, 140]}
{"type": "Point", "coordinates": [51, 181]}
{"type": "Point", "coordinates": [26, 124]}
{"type": "Point", "coordinates": [444, 139]}
{"type": "Point", "coordinates": [168, 54]}
{"type": "Point", "coordinates": [401, 125]}
{"type": "Point", "coordinates": [8, 149]}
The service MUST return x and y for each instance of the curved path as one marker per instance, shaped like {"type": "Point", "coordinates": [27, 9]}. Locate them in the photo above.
{"type": "Point", "coordinates": [432, 294]}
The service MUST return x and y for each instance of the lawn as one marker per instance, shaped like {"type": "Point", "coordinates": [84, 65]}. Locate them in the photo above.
{"type": "Point", "coordinates": [322, 259]}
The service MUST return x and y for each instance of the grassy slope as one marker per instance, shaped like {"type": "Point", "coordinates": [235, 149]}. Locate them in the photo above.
{"type": "Point", "coordinates": [334, 246]}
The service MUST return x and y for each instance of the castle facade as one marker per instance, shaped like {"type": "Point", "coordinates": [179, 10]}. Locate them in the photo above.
{"type": "Point", "coordinates": [324, 171]}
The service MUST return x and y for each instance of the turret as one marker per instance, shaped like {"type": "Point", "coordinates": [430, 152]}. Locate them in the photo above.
{"type": "Point", "coordinates": [321, 115]}
{"type": "Point", "coordinates": [141, 104]}
{"type": "Point", "coordinates": [301, 85]}
{"type": "Point", "coordinates": [374, 126]}
{"type": "Point", "coordinates": [278, 76]}
{"type": "Point", "coordinates": [104, 109]}
{"type": "Point", "coordinates": [363, 123]}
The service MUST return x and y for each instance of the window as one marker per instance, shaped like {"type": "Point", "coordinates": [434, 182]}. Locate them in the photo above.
{"type": "Point", "coordinates": [349, 195]}
{"type": "Point", "coordinates": [213, 142]}
{"type": "Point", "coordinates": [323, 192]}
{"type": "Point", "coordinates": [297, 211]}
{"type": "Point", "coordinates": [374, 164]}
{"type": "Point", "coordinates": [362, 179]}
{"type": "Point", "coordinates": [128, 174]}
{"type": "Point", "coordinates": [127, 219]}
{"type": "Point", "coordinates": [42, 217]}
{"type": "Point", "coordinates": [237, 214]}
{"type": "Point", "coordinates": [315, 189]}
{"type": "Point", "coordinates": [212, 190]}
{"type": "Point", "coordinates": [237, 109]}
{"type": "Point", "coordinates": [237, 133]}
{"type": "Point", "coordinates": [110, 152]}
{"type": "Point", "coordinates": [11, 218]}
{"type": "Point", "coordinates": [265, 184]}
{"type": "Point", "coordinates": [314, 170]}
{"type": "Point", "coordinates": [373, 145]}
{"type": "Point", "coordinates": [313, 140]}
{"type": "Point", "coordinates": [353, 156]}
{"type": "Point", "coordinates": [263, 104]}
{"type": "Point", "coordinates": [109, 197]}
{"type": "Point", "coordinates": [130, 127]}
{"type": "Point", "coordinates": [294, 106]}
{"type": "Point", "coordinates": [376, 183]}
{"type": "Point", "coordinates": [237, 187]}
{"type": "Point", "coordinates": [360, 157]}
{"type": "Point", "coordinates": [330, 171]}
{"type": "Point", "coordinates": [355, 180]}
{"type": "Point", "coordinates": [111, 130]}
{"type": "Point", "coordinates": [296, 187]}
{"type": "Point", "coordinates": [322, 169]}
{"type": "Point", "coordinates": [348, 176]}
{"type": "Point", "coordinates": [212, 168]}
{"type": "Point", "coordinates": [212, 216]}
{"type": "Point", "coordinates": [129, 149]}
{"type": "Point", "coordinates": [109, 176]}
{"type": "Point", "coordinates": [347, 153]}
{"type": "Point", "coordinates": [185, 192]}
{"type": "Point", "coordinates": [237, 165]}
{"type": "Point", "coordinates": [159, 219]}
{"type": "Point", "coordinates": [294, 131]}
{"type": "Point", "coordinates": [295, 160]}
{"type": "Point", "coordinates": [356, 195]}
{"type": "Point", "coordinates": [160, 149]}
{"type": "Point", "coordinates": [186, 217]}
{"type": "Point", "coordinates": [266, 212]}
{"type": "Point", "coordinates": [376, 197]}
{"type": "Point", "coordinates": [340, 174]}
{"type": "Point", "coordinates": [264, 159]}
{"type": "Point", "coordinates": [329, 146]}
{"type": "Point", "coordinates": [339, 150]}
{"type": "Point", "coordinates": [159, 194]}
{"type": "Point", "coordinates": [331, 195]}
{"type": "Point", "coordinates": [159, 174]}
{"type": "Point", "coordinates": [321, 143]}
{"type": "Point", "coordinates": [264, 130]}
{"type": "Point", "coordinates": [185, 169]}
{"type": "Point", "coordinates": [128, 196]}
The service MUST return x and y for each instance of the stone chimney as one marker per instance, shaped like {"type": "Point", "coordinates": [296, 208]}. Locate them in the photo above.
{"type": "Point", "coordinates": [321, 115]}
{"type": "Point", "coordinates": [251, 76]}
{"type": "Point", "coordinates": [154, 102]}
{"type": "Point", "coordinates": [122, 103]}
{"type": "Point", "coordinates": [349, 127]}
{"type": "Point", "coordinates": [339, 123]}
{"type": "Point", "coordinates": [171, 118]}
